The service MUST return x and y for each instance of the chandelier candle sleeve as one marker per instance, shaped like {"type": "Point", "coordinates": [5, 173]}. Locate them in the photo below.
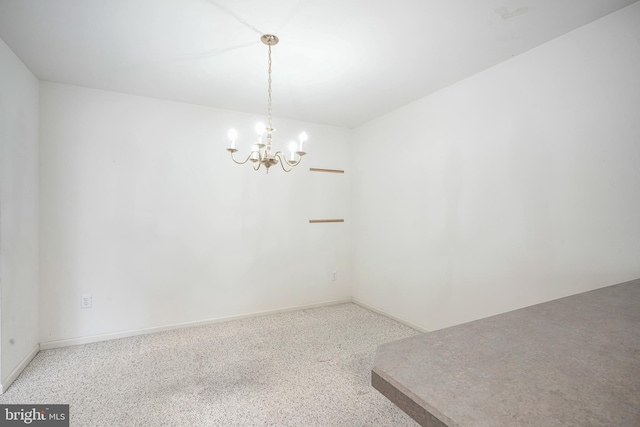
{"type": "Point", "coordinates": [255, 153]}
{"type": "Point", "coordinates": [233, 135]}
{"type": "Point", "coordinates": [303, 137]}
{"type": "Point", "coordinates": [259, 131]}
{"type": "Point", "coordinates": [261, 153]}
{"type": "Point", "coordinates": [292, 149]}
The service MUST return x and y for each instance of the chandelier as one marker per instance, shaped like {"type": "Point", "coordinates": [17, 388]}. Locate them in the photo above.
{"type": "Point", "coordinates": [261, 153]}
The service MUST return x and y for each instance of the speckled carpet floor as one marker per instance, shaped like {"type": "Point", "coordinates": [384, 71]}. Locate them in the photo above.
{"type": "Point", "coordinates": [303, 368]}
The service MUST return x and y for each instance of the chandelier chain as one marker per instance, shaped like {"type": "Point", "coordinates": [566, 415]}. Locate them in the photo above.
{"type": "Point", "coordinates": [270, 100]}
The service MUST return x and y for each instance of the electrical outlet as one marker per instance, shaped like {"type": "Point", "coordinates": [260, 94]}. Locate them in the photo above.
{"type": "Point", "coordinates": [334, 276]}
{"type": "Point", "coordinates": [86, 301]}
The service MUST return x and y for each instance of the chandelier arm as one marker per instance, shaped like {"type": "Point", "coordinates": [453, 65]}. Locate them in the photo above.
{"type": "Point", "coordinates": [255, 168]}
{"type": "Point", "coordinates": [291, 164]}
{"type": "Point", "coordinates": [280, 155]}
{"type": "Point", "coordinates": [240, 163]}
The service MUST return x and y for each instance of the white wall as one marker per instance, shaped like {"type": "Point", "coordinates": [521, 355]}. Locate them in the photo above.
{"type": "Point", "coordinates": [518, 185]}
{"type": "Point", "coordinates": [142, 208]}
{"type": "Point", "coordinates": [18, 214]}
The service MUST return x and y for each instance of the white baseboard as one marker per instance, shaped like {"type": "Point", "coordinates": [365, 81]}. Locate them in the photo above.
{"type": "Point", "coordinates": [385, 314]}
{"type": "Point", "coordinates": [131, 333]}
{"type": "Point", "coordinates": [6, 383]}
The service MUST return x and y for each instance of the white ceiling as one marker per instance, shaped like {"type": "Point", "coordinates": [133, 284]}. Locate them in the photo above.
{"type": "Point", "coordinates": [339, 62]}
